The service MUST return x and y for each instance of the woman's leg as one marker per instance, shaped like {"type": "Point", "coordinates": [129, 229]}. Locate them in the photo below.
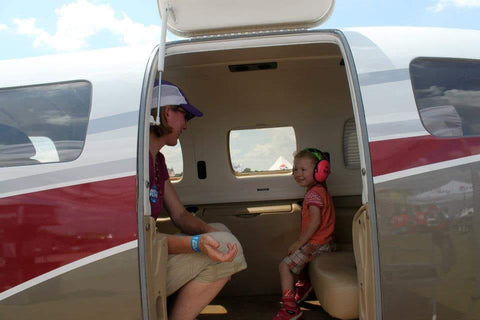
{"type": "Point", "coordinates": [193, 297]}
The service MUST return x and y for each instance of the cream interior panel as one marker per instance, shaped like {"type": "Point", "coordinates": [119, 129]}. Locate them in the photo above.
{"type": "Point", "coordinates": [308, 91]}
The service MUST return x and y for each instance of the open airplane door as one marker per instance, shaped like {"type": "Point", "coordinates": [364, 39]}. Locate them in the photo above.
{"type": "Point", "coordinates": [208, 17]}
{"type": "Point", "coordinates": [193, 19]}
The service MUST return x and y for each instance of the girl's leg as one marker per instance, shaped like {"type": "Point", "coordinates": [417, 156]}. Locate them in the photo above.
{"type": "Point", "coordinates": [286, 277]}
{"type": "Point", "coordinates": [289, 309]}
{"type": "Point", "coordinates": [193, 297]}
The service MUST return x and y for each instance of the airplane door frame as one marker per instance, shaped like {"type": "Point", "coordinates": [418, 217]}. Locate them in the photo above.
{"type": "Point", "coordinates": [368, 195]}
{"type": "Point", "coordinates": [143, 184]}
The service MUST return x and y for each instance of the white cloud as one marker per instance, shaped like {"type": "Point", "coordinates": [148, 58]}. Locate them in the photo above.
{"type": "Point", "coordinates": [437, 96]}
{"type": "Point", "coordinates": [463, 97]}
{"type": "Point", "coordinates": [80, 20]}
{"type": "Point", "coordinates": [3, 27]}
{"type": "Point", "coordinates": [441, 4]}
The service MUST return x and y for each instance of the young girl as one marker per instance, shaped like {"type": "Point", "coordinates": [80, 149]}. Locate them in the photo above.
{"type": "Point", "coordinates": [310, 170]}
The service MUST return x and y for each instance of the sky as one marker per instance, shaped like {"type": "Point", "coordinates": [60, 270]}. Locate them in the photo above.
{"type": "Point", "coordinates": [32, 28]}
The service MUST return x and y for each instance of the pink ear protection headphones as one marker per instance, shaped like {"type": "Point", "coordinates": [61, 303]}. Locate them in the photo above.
{"type": "Point", "coordinates": [322, 167]}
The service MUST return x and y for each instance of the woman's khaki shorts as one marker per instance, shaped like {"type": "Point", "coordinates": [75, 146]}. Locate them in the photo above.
{"type": "Point", "coordinates": [183, 267]}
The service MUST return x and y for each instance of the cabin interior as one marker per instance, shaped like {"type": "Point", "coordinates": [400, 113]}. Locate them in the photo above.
{"type": "Point", "coordinates": [302, 87]}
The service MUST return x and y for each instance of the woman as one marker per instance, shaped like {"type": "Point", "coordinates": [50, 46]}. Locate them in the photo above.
{"type": "Point", "coordinates": [213, 251]}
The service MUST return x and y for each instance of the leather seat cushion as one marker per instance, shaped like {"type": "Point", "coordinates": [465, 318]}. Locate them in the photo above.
{"type": "Point", "coordinates": [334, 279]}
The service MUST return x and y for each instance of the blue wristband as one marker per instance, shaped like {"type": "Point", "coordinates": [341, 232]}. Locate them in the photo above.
{"type": "Point", "coordinates": [194, 243]}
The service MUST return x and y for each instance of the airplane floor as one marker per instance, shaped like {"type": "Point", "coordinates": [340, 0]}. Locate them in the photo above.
{"type": "Point", "coordinates": [256, 307]}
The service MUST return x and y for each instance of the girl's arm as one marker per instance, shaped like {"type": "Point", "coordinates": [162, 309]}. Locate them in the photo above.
{"type": "Point", "coordinates": [206, 244]}
{"type": "Point", "coordinates": [315, 219]}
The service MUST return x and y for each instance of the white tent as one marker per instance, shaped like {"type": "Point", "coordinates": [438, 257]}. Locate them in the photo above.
{"type": "Point", "coordinates": [281, 164]}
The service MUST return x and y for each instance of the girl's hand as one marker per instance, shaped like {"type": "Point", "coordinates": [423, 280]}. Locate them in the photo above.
{"type": "Point", "coordinates": [209, 246]}
{"type": "Point", "coordinates": [294, 247]}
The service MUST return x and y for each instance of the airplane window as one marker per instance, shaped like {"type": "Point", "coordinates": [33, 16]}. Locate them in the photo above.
{"type": "Point", "coordinates": [447, 93]}
{"type": "Point", "coordinates": [174, 160]}
{"type": "Point", "coordinates": [43, 123]}
{"type": "Point", "coordinates": [262, 151]}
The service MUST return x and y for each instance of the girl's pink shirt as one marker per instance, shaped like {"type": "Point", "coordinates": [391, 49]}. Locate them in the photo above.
{"type": "Point", "coordinates": [319, 196]}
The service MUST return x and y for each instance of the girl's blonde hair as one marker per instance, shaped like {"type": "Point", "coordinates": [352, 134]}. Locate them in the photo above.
{"type": "Point", "coordinates": [305, 154]}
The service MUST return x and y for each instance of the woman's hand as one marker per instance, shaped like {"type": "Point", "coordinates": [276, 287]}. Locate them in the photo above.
{"type": "Point", "coordinates": [209, 246]}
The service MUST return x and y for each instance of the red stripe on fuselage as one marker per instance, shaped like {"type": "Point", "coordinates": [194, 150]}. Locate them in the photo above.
{"type": "Point", "coordinates": [42, 231]}
{"type": "Point", "coordinates": [400, 154]}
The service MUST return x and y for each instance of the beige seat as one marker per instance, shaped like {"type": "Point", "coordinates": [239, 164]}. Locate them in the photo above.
{"type": "Point", "coordinates": [334, 279]}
